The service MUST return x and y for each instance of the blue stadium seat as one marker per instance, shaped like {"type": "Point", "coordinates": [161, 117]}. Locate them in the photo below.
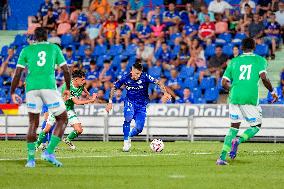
{"type": "Point", "coordinates": [66, 40]}
{"type": "Point", "coordinates": [224, 38]}
{"type": "Point", "coordinates": [196, 91]}
{"type": "Point", "coordinates": [199, 100]}
{"type": "Point", "coordinates": [4, 51]}
{"type": "Point", "coordinates": [1, 82]}
{"type": "Point", "coordinates": [263, 101]}
{"type": "Point", "coordinates": [238, 38]}
{"type": "Point", "coordinates": [186, 72]}
{"type": "Point", "coordinates": [155, 71]}
{"type": "Point", "coordinates": [190, 82]}
{"type": "Point", "coordinates": [210, 50]}
{"type": "Point", "coordinates": [207, 82]}
{"type": "Point", "coordinates": [115, 50]}
{"type": "Point", "coordinates": [261, 50]}
{"type": "Point", "coordinates": [2, 93]}
{"type": "Point", "coordinates": [3, 100]}
{"type": "Point", "coordinates": [19, 40]}
{"type": "Point", "coordinates": [207, 2]}
{"type": "Point", "coordinates": [211, 95]}
{"type": "Point", "coordinates": [81, 50]}
{"type": "Point", "coordinates": [228, 49]}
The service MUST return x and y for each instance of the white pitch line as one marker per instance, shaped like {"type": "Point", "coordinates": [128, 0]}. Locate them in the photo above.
{"type": "Point", "coordinates": [274, 151]}
{"type": "Point", "coordinates": [95, 156]}
{"type": "Point", "coordinates": [201, 153]}
{"type": "Point", "coordinates": [177, 176]}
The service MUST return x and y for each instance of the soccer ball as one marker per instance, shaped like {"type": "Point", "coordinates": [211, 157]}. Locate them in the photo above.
{"type": "Point", "coordinates": [157, 145]}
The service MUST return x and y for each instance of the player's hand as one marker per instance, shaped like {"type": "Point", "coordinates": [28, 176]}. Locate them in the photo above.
{"type": "Point", "coordinates": [66, 95]}
{"type": "Point", "coordinates": [94, 97]}
{"type": "Point", "coordinates": [274, 96]}
{"type": "Point", "coordinates": [166, 97]}
{"type": "Point", "coordinates": [108, 107]}
{"type": "Point", "coordinates": [16, 98]}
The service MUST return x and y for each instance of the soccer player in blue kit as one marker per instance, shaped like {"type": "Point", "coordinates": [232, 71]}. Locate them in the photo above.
{"type": "Point", "coordinates": [136, 83]}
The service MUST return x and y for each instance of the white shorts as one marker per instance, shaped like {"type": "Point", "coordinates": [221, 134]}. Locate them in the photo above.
{"type": "Point", "coordinates": [72, 118]}
{"type": "Point", "coordinates": [52, 98]}
{"type": "Point", "coordinates": [252, 114]}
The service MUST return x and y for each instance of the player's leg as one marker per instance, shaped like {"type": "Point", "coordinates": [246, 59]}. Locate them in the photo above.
{"type": "Point", "coordinates": [128, 116]}
{"type": "Point", "coordinates": [139, 117]}
{"type": "Point", "coordinates": [235, 116]}
{"type": "Point", "coordinates": [42, 137]}
{"type": "Point", "coordinates": [34, 105]}
{"type": "Point", "coordinates": [57, 107]}
{"type": "Point", "coordinates": [76, 124]}
{"type": "Point", "coordinates": [253, 115]}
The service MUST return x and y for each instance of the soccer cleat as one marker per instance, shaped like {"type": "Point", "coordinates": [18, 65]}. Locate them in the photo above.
{"type": "Point", "coordinates": [221, 162]}
{"type": "Point", "coordinates": [36, 147]}
{"type": "Point", "coordinates": [126, 145]}
{"type": "Point", "coordinates": [69, 143]}
{"type": "Point", "coordinates": [233, 152]}
{"type": "Point", "coordinates": [51, 159]}
{"type": "Point", "coordinates": [30, 164]}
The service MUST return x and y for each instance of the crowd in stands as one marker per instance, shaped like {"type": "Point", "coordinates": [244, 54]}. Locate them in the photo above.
{"type": "Point", "coordinates": [186, 45]}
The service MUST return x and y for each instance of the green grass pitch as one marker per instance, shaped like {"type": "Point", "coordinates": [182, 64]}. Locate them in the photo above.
{"type": "Point", "coordinates": [181, 165]}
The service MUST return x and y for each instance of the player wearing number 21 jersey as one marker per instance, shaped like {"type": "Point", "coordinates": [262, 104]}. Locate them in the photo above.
{"type": "Point", "coordinates": [41, 58]}
{"type": "Point", "coordinates": [241, 78]}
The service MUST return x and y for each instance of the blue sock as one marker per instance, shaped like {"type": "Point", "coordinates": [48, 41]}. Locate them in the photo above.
{"type": "Point", "coordinates": [134, 132]}
{"type": "Point", "coordinates": [126, 130]}
{"type": "Point", "coordinates": [50, 133]}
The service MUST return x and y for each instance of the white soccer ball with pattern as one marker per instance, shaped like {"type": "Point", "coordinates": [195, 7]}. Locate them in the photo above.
{"type": "Point", "coordinates": [157, 145]}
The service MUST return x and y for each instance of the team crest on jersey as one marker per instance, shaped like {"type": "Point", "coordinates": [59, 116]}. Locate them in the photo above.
{"type": "Point", "coordinates": [139, 81]}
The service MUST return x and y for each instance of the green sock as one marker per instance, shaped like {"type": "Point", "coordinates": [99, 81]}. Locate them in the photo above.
{"type": "Point", "coordinates": [72, 135]}
{"type": "Point", "coordinates": [31, 151]}
{"type": "Point", "coordinates": [40, 138]}
{"type": "Point", "coordinates": [54, 141]}
{"type": "Point", "coordinates": [249, 133]}
{"type": "Point", "coordinates": [228, 142]}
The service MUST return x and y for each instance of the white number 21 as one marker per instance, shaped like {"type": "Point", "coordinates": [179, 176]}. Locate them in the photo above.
{"type": "Point", "coordinates": [42, 58]}
{"type": "Point", "coordinates": [245, 69]}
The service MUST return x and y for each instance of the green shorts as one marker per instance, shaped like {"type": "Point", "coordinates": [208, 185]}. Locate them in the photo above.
{"type": "Point", "coordinates": [72, 118]}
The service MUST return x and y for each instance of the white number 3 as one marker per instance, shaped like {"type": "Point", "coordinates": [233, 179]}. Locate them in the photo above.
{"type": "Point", "coordinates": [42, 58]}
{"type": "Point", "coordinates": [245, 69]}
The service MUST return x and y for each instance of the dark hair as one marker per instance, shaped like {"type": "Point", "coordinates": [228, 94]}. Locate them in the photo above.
{"type": "Point", "coordinates": [69, 49]}
{"type": "Point", "coordinates": [78, 74]}
{"type": "Point", "coordinates": [125, 60]}
{"type": "Point", "coordinates": [40, 34]}
{"type": "Point", "coordinates": [93, 62]}
{"type": "Point", "coordinates": [248, 44]}
{"type": "Point", "coordinates": [137, 65]}
{"type": "Point", "coordinates": [107, 61]}
{"type": "Point", "coordinates": [218, 46]}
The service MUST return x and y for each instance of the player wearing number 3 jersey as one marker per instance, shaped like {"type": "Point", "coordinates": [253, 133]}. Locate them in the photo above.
{"type": "Point", "coordinates": [41, 59]}
{"type": "Point", "coordinates": [241, 78]}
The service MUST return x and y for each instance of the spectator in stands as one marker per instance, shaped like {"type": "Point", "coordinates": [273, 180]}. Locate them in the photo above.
{"type": "Point", "coordinates": [280, 17]}
{"type": "Point", "coordinates": [5, 12]}
{"type": "Point", "coordinates": [100, 7]}
{"type": "Point", "coordinates": [243, 6]}
{"type": "Point", "coordinates": [187, 98]}
{"type": "Point", "coordinates": [144, 31]}
{"type": "Point", "coordinates": [134, 11]}
{"type": "Point", "coordinates": [197, 57]}
{"type": "Point", "coordinates": [236, 51]}
{"type": "Point", "coordinates": [263, 6]}
{"type": "Point", "coordinates": [101, 96]}
{"type": "Point", "coordinates": [183, 55]}
{"type": "Point", "coordinates": [109, 29]}
{"type": "Point", "coordinates": [156, 94]}
{"type": "Point", "coordinates": [56, 10]}
{"type": "Point", "coordinates": [174, 84]}
{"type": "Point", "coordinates": [59, 76]}
{"type": "Point", "coordinates": [54, 38]}
{"type": "Point", "coordinates": [256, 28]}
{"type": "Point", "coordinates": [45, 6]}
{"type": "Point", "coordinates": [118, 98]}
{"type": "Point", "coordinates": [82, 20]}
{"type": "Point", "coordinates": [86, 60]}
{"type": "Point", "coordinates": [92, 74]}
{"type": "Point", "coordinates": [96, 85]}
{"type": "Point", "coordinates": [282, 78]}
{"type": "Point", "coordinates": [93, 30]}
{"type": "Point", "coordinates": [272, 34]}
{"type": "Point", "coordinates": [152, 15]}
{"type": "Point", "coordinates": [122, 70]}
{"type": "Point", "coordinates": [184, 15]}
{"type": "Point", "coordinates": [274, 5]}
{"type": "Point", "coordinates": [245, 20]}
{"type": "Point", "coordinates": [190, 30]}
{"type": "Point", "coordinates": [216, 65]}
{"type": "Point", "coordinates": [119, 10]}
{"type": "Point", "coordinates": [124, 33]}
{"type": "Point", "coordinates": [197, 4]}
{"type": "Point", "coordinates": [203, 13]}
{"type": "Point", "coordinates": [218, 6]}
{"type": "Point", "coordinates": [158, 30]}
{"type": "Point", "coordinates": [74, 16]}
{"type": "Point", "coordinates": [206, 30]}
{"type": "Point", "coordinates": [221, 24]}
{"type": "Point", "coordinates": [9, 64]}
{"type": "Point", "coordinates": [49, 21]}
{"type": "Point", "coordinates": [171, 17]}
{"type": "Point", "coordinates": [164, 55]}
{"type": "Point", "coordinates": [106, 73]}
{"type": "Point", "coordinates": [63, 17]}
{"type": "Point", "coordinates": [145, 53]}
{"type": "Point", "coordinates": [70, 58]}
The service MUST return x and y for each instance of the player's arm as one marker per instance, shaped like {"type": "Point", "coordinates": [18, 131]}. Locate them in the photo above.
{"type": "Point", "coordinates": [266, 82]}
{"type": "Point", "coordinates": [15, 83]}
{"type": "Point", "coordinates": [116, 86]}
{"type": "Point", "coordinates": [227, 77]}
{"type": "Point", "coordinates": [82, 102]}
{"type": "Point", "coordinates": [166, 95]}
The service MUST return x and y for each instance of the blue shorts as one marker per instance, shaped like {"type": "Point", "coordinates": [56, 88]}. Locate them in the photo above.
{"type": "Point", "coordinates": [136, 112]}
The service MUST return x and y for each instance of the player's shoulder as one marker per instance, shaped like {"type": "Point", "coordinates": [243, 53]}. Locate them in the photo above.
{"type": "Point", "coordinates": [125, 76]}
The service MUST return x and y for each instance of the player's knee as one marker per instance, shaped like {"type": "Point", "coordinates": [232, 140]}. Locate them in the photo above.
{"type": "Point", "coordinates": [31, 136]}
{"type": "Point", "coordinates": [128, 118]}
{"type": "Point", "coordinates": [79, 130]}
